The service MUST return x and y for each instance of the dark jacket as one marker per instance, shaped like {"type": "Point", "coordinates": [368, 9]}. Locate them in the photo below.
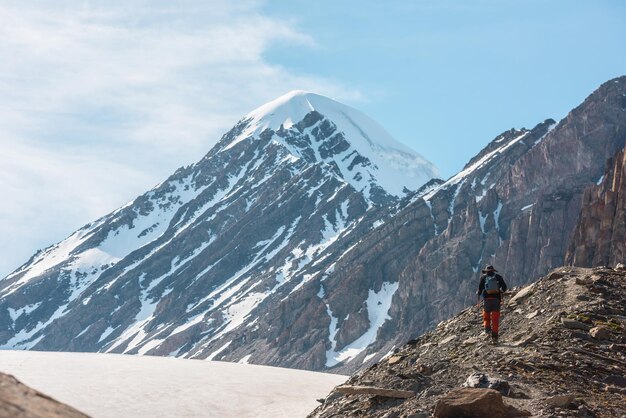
{"type": "Point", "coordinates": [481, 286]}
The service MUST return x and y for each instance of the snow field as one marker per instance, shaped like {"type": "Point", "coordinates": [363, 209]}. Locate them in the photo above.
{"type": "Point", "coordinates": [117, 385]}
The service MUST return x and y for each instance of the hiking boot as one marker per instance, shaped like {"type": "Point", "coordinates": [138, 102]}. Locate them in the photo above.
{"type": "Point", "coordinates": [494, 337]}
{"type": "Point", "coordinates": [487, 330]}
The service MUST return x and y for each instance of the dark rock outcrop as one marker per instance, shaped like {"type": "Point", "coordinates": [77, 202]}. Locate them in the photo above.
{"type": "Point", "coordinates": [600, 235]}
{"type": "Point", "coordinates": [475, 403]}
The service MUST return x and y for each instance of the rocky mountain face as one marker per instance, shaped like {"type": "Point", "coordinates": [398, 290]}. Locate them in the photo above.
{"type": "Point", "coordinates": [561, 353]}
{"type": "Point", "coordinates": [600, 235]}
{"type": "Point", "coordinates": [178, 269]}
{"type": "Point", "coordinates": [297, 240]}
{"type": "Point", "coordinates": [515, 205]}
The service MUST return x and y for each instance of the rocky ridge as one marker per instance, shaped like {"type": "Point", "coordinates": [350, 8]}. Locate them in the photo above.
{"type": "Point", "coordinates": [600, 235]}
{"type": "Point", "coordinates": [561, 353]}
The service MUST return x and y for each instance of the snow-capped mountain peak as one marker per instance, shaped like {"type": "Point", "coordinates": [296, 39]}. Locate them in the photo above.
{"type": "Point", "coordinates": [185, 266]}
{"type": "Point", "coordinates": [366, 154]}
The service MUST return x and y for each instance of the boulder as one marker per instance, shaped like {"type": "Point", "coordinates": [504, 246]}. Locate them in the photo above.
{"type": "Point", "coordinates": [583, 281]}
{"type": "Point", "coordinates": [395, 359]}
{"type": "Point", "coordinates": [447, 340]}
{"type": "Point", "coordinates": [600, 333]}
{"type": "Point", "coordinates": [470, 341]}
{"type": "Point", "coordinates": [532, 314]}
{"type": "Point", "coordinates": [475, 403]}
{"type": "Point", "coordinates": [555, 275]}
{"type": "Point", "coordinates": [425, 369]}
{"type": "Point", "coordinates": [524, 341]}
{"type": "Point", "coordinates": [521, 295]}
{"type": "Point", "coordinates": [482, 380]}
{"type": "Point", "coordinates": [560, 401]}
{"type": "Point", "coordinates": [574, 324]}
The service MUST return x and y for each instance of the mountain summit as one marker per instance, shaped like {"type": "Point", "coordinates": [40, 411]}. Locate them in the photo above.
{"type": "Point", "coordinates": [365, 155]}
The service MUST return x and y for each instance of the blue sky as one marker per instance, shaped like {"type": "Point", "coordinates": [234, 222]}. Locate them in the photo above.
{"type": "Point", "coordinates": [446, 77]}
{"type": "Point", "coordinates": [100, 101]}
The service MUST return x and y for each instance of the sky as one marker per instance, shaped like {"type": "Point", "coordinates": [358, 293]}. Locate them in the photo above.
{"type": "Point", "coordinates": [100, 101]}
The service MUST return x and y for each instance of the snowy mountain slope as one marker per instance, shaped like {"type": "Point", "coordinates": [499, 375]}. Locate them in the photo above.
{"type": "Point", "coordinates": [108, 385]}
{"type": "Point", "coordinates": [181, 268]}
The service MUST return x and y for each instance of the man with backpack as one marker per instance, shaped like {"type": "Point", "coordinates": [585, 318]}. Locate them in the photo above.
{"type": "Point", "coordinates": [491, 287]}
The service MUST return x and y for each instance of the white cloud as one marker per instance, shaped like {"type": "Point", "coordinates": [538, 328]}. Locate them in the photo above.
{"type": "Point", "coordinates": [98, 103]}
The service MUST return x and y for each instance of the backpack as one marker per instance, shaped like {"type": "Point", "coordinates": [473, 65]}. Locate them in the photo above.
{"type": "Point", "coordinates": [492, 287]}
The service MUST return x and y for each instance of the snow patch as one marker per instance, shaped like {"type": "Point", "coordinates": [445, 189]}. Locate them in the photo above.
{"type": "Point", "coordinates": [245, 359]}
{"type": "Point", "coordinates": [378, 305]}
{"type": "Point", "coordinates": [218, 351]}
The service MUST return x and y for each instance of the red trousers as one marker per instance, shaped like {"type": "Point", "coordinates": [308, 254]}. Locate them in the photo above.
{"type": "Point", "coordinates": [491, 314]}
{"type": "Point", "coordinates": [491, 320]}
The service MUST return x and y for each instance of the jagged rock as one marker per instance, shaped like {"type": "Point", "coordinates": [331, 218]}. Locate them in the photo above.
{"type": "Point", "coordinates": [470, 341]}
{"type": "Point", "coordinates": [583, 281]}
{"type": "Point", "coordinates": [475, 403]}
{"type": "Point", "coordinates": [20, 401]}
{"type": "Point", "coordinates": [371, 390]}
{"type": "Point", "coordinates": [574, 324]}
{"type": "Point", "coordinates": [524, 341]}
{"type": "Point", "coordinates": [600, 234]}
{"type": "Point", "coordinates": [555, 275]}
{"type": "Point", "coordinates": [395, 359]}
{"type": "Point", "coordinates": [425, 369]}
{"type": "Point", "coordinates": [600, 333]}
{"type": "Point", "coordinates": [560, 401]}
{"type": "Point", "coordinates": [532, 314]}
{"type": "Point", "coordinates": [447, 340]}
{"type": "Point", "coordinates": [482, 380]}
{"type": "Point", "coordinates": [521, 295]}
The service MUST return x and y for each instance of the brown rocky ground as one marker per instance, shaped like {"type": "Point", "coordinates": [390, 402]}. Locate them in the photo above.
{"type": "Point", "coordinates": [562, 352]}
{"type": "Point", "coordinates": [20, 401]}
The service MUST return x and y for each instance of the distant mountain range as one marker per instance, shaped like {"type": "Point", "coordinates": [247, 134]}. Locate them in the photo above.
{"type": "Point", "coordinates": [309, 238]}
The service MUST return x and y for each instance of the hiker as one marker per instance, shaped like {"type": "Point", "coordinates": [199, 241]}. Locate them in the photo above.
{"type": "Point", "coordinates": [491, 287]}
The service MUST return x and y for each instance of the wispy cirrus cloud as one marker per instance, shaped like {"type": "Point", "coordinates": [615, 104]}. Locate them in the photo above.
{"type": "Point", "coordinates": [100, 102]}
